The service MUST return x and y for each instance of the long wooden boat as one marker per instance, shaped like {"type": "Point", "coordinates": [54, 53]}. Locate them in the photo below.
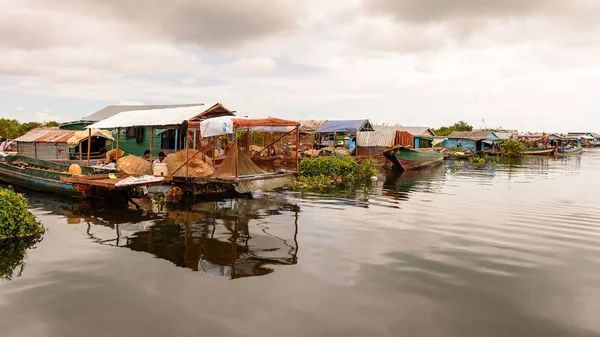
{"type": "Point", "coordinates": [532, 151]}
{"type": "Point", "coordinates": [404, 158]}
{"type": "Point", "coordinates": [40, 175]}
{"type": "Point", "coordinates": [563, 151]}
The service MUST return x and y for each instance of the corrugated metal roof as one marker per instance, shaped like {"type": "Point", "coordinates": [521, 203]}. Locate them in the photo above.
{"type": "Point", "coordinates": [56, 136]}
{"type": "Point", "coordinates": [376, 138]}
{"type": "Point", "coordinates": [311, 125]}
{"type": "Point", "coordinates": [342, 125]}
{"type": "Point", "coordinates": [413, 130]}
{"type": "Point", "coordinates": [112, 110]}
{"type": "Point", "coordinates": [34, 134]}
{"type": "Point", "coordinates": [473, 135]}
{"type": "Point", "coordinates": [156, 117]}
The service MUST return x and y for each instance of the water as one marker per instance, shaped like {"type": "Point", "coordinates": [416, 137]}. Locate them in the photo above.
{"type": "Point", "coordinates": [454, 251]}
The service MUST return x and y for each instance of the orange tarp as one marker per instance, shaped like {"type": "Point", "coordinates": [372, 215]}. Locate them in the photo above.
{"type": "Point", "coordinates": [404, 138]}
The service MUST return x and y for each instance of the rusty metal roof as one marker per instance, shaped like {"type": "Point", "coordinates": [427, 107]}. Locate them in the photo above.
{"type": "Point", "coordinates": [46, 135]}
{"type": "Point", "coordinates": [56, 136]}
{"type": "Point", "coordinates": [34, 134]}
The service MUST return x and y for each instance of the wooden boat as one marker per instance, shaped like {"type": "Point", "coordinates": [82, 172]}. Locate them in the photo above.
{"type": "Point", "coordinates": [563, 151]}
{"type": "Point", "coordinates": [404, 158]}
{"type": "Point", "coordinates": [40, 175]}
{"type": "Point", "coordinates": [532, 151]}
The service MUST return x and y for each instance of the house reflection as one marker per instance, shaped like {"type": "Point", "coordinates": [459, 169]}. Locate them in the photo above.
{"type": "Point", "coordinates": [234, 238]}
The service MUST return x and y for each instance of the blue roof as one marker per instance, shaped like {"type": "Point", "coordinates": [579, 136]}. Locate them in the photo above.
{"type": "Point", "coordinates": [342, 126]}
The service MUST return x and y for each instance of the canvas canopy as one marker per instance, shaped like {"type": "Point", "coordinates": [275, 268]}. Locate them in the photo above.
{"type": "Point", "coordinates": [80, 136]}
{"type": "Point", "coordinates": [226, 125]}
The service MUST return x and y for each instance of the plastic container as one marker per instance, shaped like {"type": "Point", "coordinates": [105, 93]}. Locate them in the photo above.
{"type": "Point", "coordinates": [160, 169]}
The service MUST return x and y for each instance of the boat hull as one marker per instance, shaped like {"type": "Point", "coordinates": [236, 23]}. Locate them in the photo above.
{"type": "Point", "coordinates": [38, 180]}
{"type": "Point", "coordinates": [539, 152]}
{"type": "Point", "coordinates": [405, 159]}
{"type": "Point", "coordinates": [565, 152]}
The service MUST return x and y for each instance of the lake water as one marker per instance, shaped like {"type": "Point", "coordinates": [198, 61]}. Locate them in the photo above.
{"type": "Point", "coordinates": [455, 251]}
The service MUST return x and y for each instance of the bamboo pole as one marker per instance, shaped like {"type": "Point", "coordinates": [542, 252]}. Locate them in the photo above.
{"type": "Point", "coordinates": [151, 142]}
{"type": "Point", "coordinates": [89, 146]}
{"type": "Point", "coordinates": [235, 149]}
{"type": "Point", "coordinates": [297, 147]}
{"type": "Point", "coordinates": [118, 142]}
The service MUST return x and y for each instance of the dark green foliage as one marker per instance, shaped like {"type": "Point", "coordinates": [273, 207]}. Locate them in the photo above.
{"type": "Point", "coordinates": [12, 254]}
{"type": "Point", "coordinates": [458, 126]}
{"type": "Point", "coordinates": [513, 149]}
{"type": "Point", "coordinates": [478, 162]}
{"type": "Point", "coordinates": [15, 219]}
{"type": "Point", "coordinates": [321, 172]}
{"type": "Point", "coordinates": [11, 128]}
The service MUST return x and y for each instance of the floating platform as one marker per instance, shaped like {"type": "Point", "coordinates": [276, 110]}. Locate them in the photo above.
{"type": "Point", "coordinates": [113, 184]}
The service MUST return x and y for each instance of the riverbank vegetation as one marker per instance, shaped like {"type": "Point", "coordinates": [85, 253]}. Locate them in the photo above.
{"type": "Point", "coordinates": [15, 219]}
{"type": "Point", "coordinates": [513, 148]}
{"type": "Point", "coordinates": [324, 172]}
{"type": "Point", "coordinates": [12, 128]}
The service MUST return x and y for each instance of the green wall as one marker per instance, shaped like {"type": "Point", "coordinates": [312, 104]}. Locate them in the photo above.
{"type": "Point", "coordinates": [137, 149]}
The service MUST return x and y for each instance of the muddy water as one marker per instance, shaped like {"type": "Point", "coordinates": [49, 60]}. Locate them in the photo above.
{"type": "Point", "coordinates": [455, 251]}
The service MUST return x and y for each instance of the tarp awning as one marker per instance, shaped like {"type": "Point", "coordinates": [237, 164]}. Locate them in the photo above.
{"type": "Point", "coordinates": [156, 117]}
{"type": "Point", "coordinates": [342, 126]}
{"type": "Point", "coordinates": [80, 136]}
{"type": "Point", "coordinates": [226, 125]}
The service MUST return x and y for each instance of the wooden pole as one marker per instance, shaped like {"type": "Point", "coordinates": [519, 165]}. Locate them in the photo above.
{"type": "Point", "coordinates": [187, 160]}
{"type": "Point", "coordinates": [89, 146]}
{"type": "Point", "coordinates": [297, 146]}
{"type": "Point", "coordinates": [80, 153]}
{"type": "Point", "coordinates": [151, 142]}
{"type": "Point", "coordinates": [118, 142]}
{"type": "Point", "coordinates": [235, 149]}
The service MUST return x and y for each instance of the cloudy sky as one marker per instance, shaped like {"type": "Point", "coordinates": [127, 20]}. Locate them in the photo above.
{"type": "Point", "coordinates": [526, 64]}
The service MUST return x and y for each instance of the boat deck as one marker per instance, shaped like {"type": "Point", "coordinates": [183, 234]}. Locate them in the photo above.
{"type": "Point", "coordinates": [104, 181]}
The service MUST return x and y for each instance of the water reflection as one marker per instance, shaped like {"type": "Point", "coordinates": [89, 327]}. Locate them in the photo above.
{"type": "Point", "coordinates": [12, 256]}
{"type": "Point", "coordinates": [400, 186]}
{"type": "Point", "coordinates": [227, 238]}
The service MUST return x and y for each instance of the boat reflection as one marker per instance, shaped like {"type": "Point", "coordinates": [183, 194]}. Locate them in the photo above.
{"type": "Point", "coordinates": [234, 238]}
{"type": "Point", "coordinates": [400, 186]}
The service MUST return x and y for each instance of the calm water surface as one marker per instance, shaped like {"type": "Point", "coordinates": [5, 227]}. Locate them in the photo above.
{"type": "Point", "coordinates": [456, 251]}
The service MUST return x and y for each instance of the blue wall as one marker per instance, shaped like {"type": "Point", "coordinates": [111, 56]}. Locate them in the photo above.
{"type": "Point", "coordinates": [467, 144]}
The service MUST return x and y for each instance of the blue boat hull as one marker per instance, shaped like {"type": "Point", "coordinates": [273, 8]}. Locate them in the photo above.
{"type": "Point", "coordinates": [38, 180]}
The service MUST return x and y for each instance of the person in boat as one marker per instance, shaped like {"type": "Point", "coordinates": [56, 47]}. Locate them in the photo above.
{"type": "Point", "coordinates": [5, 147]}
{"type": "Point", "coordinates": [147, 155]}
{"type": "Point", "coordinates": [109, 163]}
{"type": "Point", "coordinates": [161, 158]}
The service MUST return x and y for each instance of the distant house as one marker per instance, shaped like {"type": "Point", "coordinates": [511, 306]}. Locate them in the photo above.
{"type": "Point", "coordinates": [136, 139]}
{"type": "Point", "coordinates": [413, 136]}
{"type": "Point", "coordinates": [586, 138]}
{"type": "Point", "coordinates": [471, 140]}
{"type": "Point", "coordinates": [341, 132]}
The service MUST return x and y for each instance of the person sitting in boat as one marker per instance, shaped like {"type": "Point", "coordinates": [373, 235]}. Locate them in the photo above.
{"type": "Point", "coordinates": [5, 147]}
{"type": "Point", "coordinates": [147, 155]}
{"type": "Point", "coordinates": [161, 158]}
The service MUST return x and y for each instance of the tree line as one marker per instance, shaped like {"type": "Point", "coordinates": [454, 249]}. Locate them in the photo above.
{"type": "Point", "coordinates": [458, 126]}
{"type": "Point", "coordinates": [12, 128]}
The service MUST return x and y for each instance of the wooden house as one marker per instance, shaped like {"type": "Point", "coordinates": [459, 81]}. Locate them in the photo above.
{"type": "Point", "coordinates": [471, 140]}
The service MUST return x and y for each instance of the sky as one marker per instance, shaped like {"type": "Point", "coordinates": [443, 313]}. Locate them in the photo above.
{"type": "Point", "coordinates": [532, 65]}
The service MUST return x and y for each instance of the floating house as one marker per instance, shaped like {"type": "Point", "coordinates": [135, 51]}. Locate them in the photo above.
{"type": "Point", "coordinates": [471, 140]}
{"type": "Point", "coordinates": [137, 138]}
{"type": "Point", "coordinates": [54, 144]}
{"type": "Point", "coordinates": [589, 139]}
{"type": "Point", "coordinates": [341, 133]}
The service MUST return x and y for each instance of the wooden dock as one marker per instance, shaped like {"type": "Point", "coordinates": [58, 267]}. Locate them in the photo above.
{"type": "Point", "coordinates": [104, 181]}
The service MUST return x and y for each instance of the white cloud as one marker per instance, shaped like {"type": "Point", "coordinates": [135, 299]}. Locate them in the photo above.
{"type": "Point", "coordinates": [19, 109]}
{"type": "Point", "coordinates": [254, 66]}
{"type": "Point", "coordinates": [45, 115]}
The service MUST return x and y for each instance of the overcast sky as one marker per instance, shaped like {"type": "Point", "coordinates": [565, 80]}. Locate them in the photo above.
{"type": "Point", "coordinates": [525, 64]}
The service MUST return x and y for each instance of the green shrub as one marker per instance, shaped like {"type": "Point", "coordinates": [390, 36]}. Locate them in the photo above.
{"type": "Point", "coordinates": [478, 162]}
{"type": "Point", "coordinates": [321, 172]}
{"type": "Point", "coordinates": [15, 219]}
{"type": "Point", "coordinates": [513, 149]}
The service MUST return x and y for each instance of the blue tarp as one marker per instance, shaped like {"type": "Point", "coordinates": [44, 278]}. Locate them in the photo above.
{"type": "Point", "coordinates": [342, 126]}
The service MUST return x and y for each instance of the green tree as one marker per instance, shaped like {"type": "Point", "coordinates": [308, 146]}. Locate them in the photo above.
{"type": "Point", "coordinates": [458, 126]}
{"type": "Point", "coordinates": [11, 128]}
